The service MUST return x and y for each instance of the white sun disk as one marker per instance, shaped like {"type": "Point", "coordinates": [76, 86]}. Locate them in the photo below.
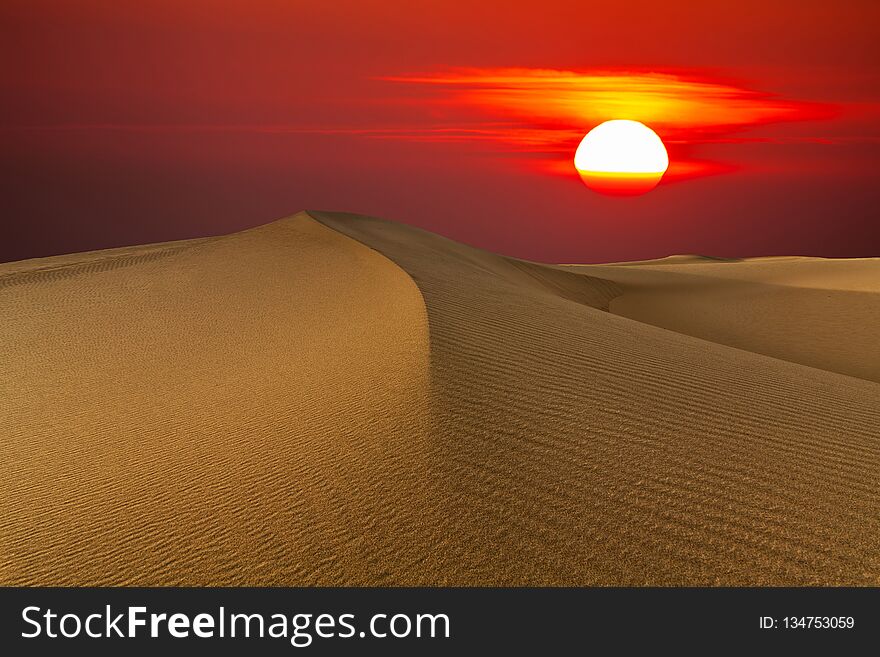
{"type": "Point", "coordinates": [621, 146]}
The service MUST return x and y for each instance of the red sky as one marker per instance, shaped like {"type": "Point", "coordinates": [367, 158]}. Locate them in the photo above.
{"type": "Point", "coordinates": [128, 122]}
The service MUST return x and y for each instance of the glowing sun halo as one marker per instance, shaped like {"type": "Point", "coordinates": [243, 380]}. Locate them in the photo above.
{"type": "Point", "coordinates": [621, 158]}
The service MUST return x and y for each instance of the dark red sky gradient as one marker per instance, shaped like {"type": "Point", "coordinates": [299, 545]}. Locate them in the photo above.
{"type": "Point", "coordinates": [126, 122]}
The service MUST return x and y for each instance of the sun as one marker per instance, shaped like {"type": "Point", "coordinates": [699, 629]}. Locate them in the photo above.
{"type": "Point", "coordinates": [621, 158]}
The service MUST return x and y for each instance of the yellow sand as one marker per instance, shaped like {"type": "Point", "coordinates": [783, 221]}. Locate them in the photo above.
{"type": "Point", "coordinates": [235, 410]}
{"type": "Point", "coordinates": [818, 312]}
{"type": "Point", "coordinates": [333, 399]}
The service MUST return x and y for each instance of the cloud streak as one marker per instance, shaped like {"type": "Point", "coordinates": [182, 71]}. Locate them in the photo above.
{"type": "Point", "coordinates": [681, 105]}
{"type": "Point", "coordinates": [548, 111]}
{"type": "Point", "coordinates": [543, 114]}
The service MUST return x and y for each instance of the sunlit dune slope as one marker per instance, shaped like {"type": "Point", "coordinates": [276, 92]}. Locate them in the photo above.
{"type": "Point", "coordinates": [335, 399]}
{"type": "Point", "coordinates": [235, 410]}
{"type": "Point", "coordinates": [815, 311]}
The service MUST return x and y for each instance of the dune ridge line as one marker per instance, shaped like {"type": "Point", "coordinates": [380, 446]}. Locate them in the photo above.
{"type": "Point", "coordinates": [333, 399]}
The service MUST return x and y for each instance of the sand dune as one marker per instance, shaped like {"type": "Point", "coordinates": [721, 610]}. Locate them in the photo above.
{"type": "Point", "coordinates": [814, 311]}
{"type": "Point", "coordinates": [332, 399]}
{"type": "Point", "coordinates": [228, 411]}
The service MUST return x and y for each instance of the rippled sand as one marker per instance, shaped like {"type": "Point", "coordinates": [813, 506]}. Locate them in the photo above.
{"type": "Point", "coordinates": [332, 399]}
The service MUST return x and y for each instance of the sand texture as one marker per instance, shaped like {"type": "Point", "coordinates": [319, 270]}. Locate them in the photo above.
{"type": "Point", "coordinates": [814, 311]}
{"type": "Point", "coordinates": [333, 399]}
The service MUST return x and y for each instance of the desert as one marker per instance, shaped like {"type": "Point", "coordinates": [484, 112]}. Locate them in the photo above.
{"type": "Point", "coordinates": [334, 399]}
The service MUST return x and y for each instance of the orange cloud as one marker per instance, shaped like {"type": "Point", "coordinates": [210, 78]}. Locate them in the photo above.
{"type": "Point", "coordinates": [548, 111]}
{"type": "Point", "coordinates": [584, 98]}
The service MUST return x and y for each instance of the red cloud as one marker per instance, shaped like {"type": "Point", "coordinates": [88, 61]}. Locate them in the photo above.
{"type": "Point", "coordinates": [548, 111]}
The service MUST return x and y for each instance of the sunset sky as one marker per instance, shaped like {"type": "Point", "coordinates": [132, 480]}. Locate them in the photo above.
{"type": "Point", "coordinates": [126, 122]}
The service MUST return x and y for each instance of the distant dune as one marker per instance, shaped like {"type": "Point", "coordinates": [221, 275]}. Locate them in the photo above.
{"type": "Point", "coordinates": [334, 399]}
{"type": "Point", "coordinates": [814, 311]}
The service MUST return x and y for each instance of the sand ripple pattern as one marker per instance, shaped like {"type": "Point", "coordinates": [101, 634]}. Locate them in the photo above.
{"type": "Point", "coordinates": [230, 411]}
{"type": "Point", "coordinates": [333, 399]}
{"type": "Point", "coordinates": [573, 446]}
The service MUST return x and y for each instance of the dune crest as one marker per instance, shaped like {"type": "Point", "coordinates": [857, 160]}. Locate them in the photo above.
{"type": "Point", "coordinates": [580, 447]}
{"type": "Point", "coordinates": [228, 411]}
{"type": "Point", "coordinates": [814, 311]}
{"type": "Point", "coordinates": [335, 399]}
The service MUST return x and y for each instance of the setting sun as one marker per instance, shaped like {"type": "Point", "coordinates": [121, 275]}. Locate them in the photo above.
{"type": "Point", "coordinates": [621, 158]}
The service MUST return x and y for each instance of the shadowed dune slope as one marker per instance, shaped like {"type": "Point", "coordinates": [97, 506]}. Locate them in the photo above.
{"type": "Point", "coordinates": [333, 399]}
{"type": "Point", "coordinates": [573, 446]}
{"type": "Point", "coordinates": [814, 311]}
